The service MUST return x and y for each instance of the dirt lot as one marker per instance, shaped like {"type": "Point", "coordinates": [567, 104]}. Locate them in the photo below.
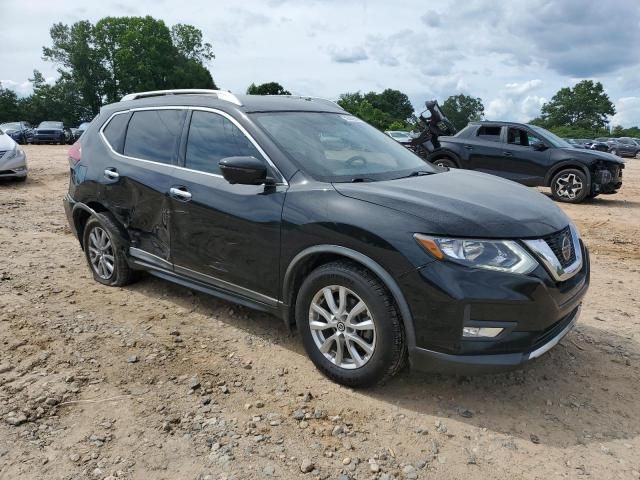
{"type": "Point", "coordinates": [156, 381]}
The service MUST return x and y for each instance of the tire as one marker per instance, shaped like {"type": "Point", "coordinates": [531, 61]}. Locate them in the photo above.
{"type": "Point", "coordinates": [383, 335]}
{"type": "Point", "coordinates": [93, 239]}
{"type": "Point", "coordinates": [569, 186]}
{"type": "Point", "coordinates": [445, 162]}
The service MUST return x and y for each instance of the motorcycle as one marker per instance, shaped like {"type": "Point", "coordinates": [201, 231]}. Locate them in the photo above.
{"type": "Point", "coordinates": [425, 140]}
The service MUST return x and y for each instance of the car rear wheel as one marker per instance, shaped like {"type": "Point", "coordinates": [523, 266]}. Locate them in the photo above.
{"type": "Point", "coordinates": [445, 162]}
{"type": "Point", "coordinates": [569, 186]}
{"type": "Point", "coordinates": [105, 252]}
{"type": "Point", "coordinates": [349, 325]}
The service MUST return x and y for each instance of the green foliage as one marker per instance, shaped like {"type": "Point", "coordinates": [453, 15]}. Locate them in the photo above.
{"type": "Point", "coordinates": [462, 109]}
{"type": "Point", "coordinates": [586, 106]}
{"type": "Point", "coordinates": [9, 110]}
{"type": "Point", "coordinates": [389, 110]}
{"type": "Point", "coordinates": [118, 55]}
{"type": "Point", "coordinates": [271, 88]}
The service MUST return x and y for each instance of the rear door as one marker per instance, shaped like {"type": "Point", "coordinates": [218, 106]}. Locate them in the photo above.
{"type": "Point", "coordinates": [521, 163]}
{"type": "Point", "coordinates": [484, 149]}
{"type": "Point", "coordinates": [222, 234]}
{"type": "Point", "coordinates": [137, 177]}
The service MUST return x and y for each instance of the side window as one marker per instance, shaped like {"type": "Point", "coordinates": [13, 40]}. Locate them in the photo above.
{"type": "Point", "coordinates": [114, 131]}
{"type": "Point", "coordinates": [212, 137]}
{"type": "Point", "coordinates": [154, 135]}
{"type": "Point", "coordinates": [521, 137]}
{"type": "Point", "coordinates": [490, 133]}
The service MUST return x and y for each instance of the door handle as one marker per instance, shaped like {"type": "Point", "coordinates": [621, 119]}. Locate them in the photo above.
{"type": "Point", "coordinates": [111, 174]}
{"type": "Point", "coordinates": [468, 147]}
{"type": "Point", "coordinates": [507, 154]}
{"type": "Point", "coordinates": [180, 193]}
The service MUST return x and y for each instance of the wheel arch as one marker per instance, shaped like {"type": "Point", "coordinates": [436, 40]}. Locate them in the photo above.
{"type": "Point", "coordinates": [313, 257]}
{"type": "Point", "coordinates": [445, 153]}
{"type": "Point", "coordinates": [566, 165]}
{"type": "Point", "coordinates": [83, 212]}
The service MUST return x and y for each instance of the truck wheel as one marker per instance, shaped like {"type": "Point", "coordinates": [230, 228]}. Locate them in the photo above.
{"type": "Point", "coordinates": [569, 186]}
{"type": "Point", "coordinates": [349, 325]}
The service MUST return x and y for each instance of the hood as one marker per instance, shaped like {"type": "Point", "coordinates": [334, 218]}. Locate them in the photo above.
{"type": "Point", "coordinates": [6, 143]}
{"type": "Point", "coordinates": [463, 203]}
{"type": "Point", "coordinates": [591, 155]}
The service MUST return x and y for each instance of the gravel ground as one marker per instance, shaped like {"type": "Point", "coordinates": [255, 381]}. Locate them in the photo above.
{"type": "Point", "coordinates": [156, 381]}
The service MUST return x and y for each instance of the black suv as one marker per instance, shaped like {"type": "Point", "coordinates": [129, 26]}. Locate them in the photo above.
{"type": "Point", "coordinates": [532, 156]}
{"type": "Point", "coordinates": [622, 147]}
{"type": "Point", "coordinates": [295, 207]}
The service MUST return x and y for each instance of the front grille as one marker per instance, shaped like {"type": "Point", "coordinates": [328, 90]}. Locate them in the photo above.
{"type": "Point", "coordinates": [555, 242]}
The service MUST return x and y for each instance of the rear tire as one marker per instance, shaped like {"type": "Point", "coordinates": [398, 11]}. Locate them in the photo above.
{"type": "Point", "coordinates": [105, 250]}
{"type": "Point", "coordinates": [368, 345]}
{"type": "Point", "coordinates": [569, 186]}
{"type": "Point", "coordinates": [445, 162]}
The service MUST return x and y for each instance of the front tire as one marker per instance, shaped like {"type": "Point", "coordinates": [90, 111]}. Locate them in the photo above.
{"type": "Point", "coordinates": [445, 162]}
{"type": "Point", "coordinates": [569, 186]}
{"type": "Point", "coordinates": [105, 252]}
{"type": "Point", "coordinates": [349, 324]}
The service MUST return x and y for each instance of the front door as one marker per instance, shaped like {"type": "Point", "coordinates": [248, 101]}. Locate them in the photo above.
{"type": "Point", "coordinates": [522, 163]}
{"type": "Point", "coordinates": [222, 234]}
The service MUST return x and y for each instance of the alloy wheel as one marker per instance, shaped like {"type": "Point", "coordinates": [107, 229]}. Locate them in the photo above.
{"type": "Point", "coordinates": [101, 253]}
{"type": "Point", "coordinates": [568, 186]}
{"type": "Point", "coordinates": [342, 327]}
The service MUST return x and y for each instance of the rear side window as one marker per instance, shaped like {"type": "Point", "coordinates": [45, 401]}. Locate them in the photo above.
{"type": "Point", "coordinates": [489, 133]}
{"type": "Point", "coordinates": [114, 131]}
{"type": "Point", "coordinates": [154, 135]}
{"type": "Point", "coordinates": [212, 137]}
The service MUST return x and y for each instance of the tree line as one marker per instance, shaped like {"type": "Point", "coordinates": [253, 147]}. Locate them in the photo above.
{"type": "Point", "coordinates": [99, 63]}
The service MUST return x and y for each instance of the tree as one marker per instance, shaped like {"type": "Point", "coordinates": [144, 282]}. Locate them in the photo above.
{"type": "Point", "coordinates": [9, 110]}
{"type": "Point", "coordinates": [462, 109]}
{"type": "Point", "coordinates": [120, 55]}
{"type": "Point", "coordinates": [585, 106]}
{"type": "Point", "coordinates": [382, 110]}
{"type": "Point", "coordinates": [271, 88]}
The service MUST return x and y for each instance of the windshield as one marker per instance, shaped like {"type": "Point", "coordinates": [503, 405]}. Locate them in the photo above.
{"type": "Point", "coordinates": [10, 126]}
{"type": "Point", "coordinates": [50, 125]}
{"type": "Point", "coordinates": [553, 139]}
{"type": "Point", "coordinates": [337, 147]}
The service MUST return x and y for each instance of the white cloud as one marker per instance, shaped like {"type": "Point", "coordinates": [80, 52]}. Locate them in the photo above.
{"type": "Point", "coordinates": [627, 112]}
{"type": "Point", "coordinates": [524, 87]}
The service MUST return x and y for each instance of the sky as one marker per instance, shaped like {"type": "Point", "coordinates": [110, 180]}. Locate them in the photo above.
{"type": "Point", "coordinates": [514, 54]}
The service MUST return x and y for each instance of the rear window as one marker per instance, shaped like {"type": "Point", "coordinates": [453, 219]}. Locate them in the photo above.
{"type": "Point", "coordinates": [154, 135]}
{"type": "Point", "coordinates": [490, 133]}
{"type": "Point", "coordinates": [114, 131]}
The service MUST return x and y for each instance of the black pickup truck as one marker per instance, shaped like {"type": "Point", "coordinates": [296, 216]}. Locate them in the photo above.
{"type": "Point", "coordinates": [532, 156]}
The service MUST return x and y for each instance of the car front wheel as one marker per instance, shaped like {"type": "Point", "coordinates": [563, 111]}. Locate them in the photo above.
{"type": "Point", "coordinates": [349, 325]}
{"type": "Point", "coordinates": [445, 162]}
{"type": "Point", "coordinates": [569, 186]}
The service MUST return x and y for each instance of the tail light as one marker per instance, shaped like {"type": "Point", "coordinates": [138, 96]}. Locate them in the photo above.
{"type": "Point", "coordinates": [75, 153]}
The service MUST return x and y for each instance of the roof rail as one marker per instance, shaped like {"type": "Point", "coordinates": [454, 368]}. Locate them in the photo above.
{"type": "Point", "coordinates": [318, 99]}
{"type": "Point", "coordinates": [220, 94]}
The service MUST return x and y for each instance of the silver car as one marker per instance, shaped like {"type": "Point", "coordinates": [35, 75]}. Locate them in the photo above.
{"type": "Point", "coordinates": [13, 160]}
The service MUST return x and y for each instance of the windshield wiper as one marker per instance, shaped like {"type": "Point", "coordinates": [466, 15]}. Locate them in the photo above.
{"type": "Point", "coordinates": [362, 180]}
{"type": "Point", "coordinates": [417, 173]}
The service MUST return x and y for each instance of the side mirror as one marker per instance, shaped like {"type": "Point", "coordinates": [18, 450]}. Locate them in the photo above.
{"type": "Point", "coordinates": [538, 146]}
{"type": "Point", "coordinates": [244, 171]}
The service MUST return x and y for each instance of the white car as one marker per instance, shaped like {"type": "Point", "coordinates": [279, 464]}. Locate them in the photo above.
{"type": "Point", "coordinates": [13, 160]}
{"type": "Point", "coordinates": [399, 136]}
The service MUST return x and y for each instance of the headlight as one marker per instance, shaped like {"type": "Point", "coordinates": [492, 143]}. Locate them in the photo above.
{"type": "Point", "coordinates": [14, 153]}
{"type": "Point", "coordinates": [499, 255]}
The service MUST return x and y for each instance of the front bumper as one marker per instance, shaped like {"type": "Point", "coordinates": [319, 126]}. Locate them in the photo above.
{"type": "Point", "coordinates": [48, 138]}
{"type": "Point", "coordinates": [534, 310]}
{"type": "Point", "coordinates": [15, 167]}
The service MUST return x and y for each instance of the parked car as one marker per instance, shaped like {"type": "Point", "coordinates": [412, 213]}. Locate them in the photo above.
{"type": "Point", "coordinates": [399, 136]}
{"type": "Point", "coordinates": [596, 145]}
{"type": "Point", "coordinates": [621, 147]}
{"type": "Point", "coordinates": [21, 132]}
{"type": "Point", "coordinates": [76, 133]}
{"type": "Point", "coordinates": [51, 132]}
{"type": "Point", "coordinates": [374, 254]}
{"type": "Point", "coordinates": [13, 161]}
{"type": "Point", "coordinates": [532, 156]}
